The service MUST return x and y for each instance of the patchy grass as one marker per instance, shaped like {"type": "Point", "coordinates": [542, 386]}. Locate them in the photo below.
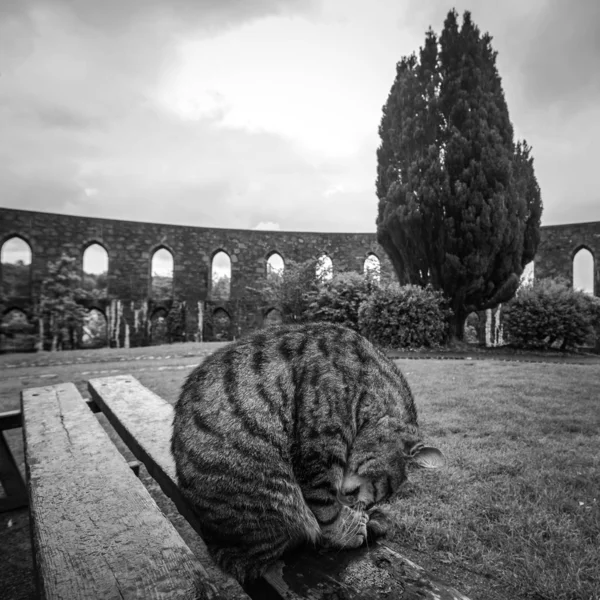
{"type": "Point", "coordinates": [519, 501]}
{"type": "Point", "coordinates": [516, 512]}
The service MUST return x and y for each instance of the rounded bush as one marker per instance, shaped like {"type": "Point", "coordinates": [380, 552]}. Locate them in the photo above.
{"type": "Point", "coordinates": [338, 300]}
{"type": "Point", "coordinates": [548, 313]}
{"type": "Point", "coordinates": [405, 317]}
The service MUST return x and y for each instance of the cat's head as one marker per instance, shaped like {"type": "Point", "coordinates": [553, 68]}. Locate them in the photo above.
{"type": "Point", "coordinates": [380, 479]}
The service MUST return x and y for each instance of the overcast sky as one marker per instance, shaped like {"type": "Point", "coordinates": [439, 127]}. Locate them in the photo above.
{"type": "Point", "coordinates": [264, 113]}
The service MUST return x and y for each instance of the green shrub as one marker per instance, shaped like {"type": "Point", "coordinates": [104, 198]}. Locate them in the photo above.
{"type": "Point", "coordinates": [550, 312]}
{"type": "Point", "coordinates": [338, 300]}
{"type": "Point", "coordinates": [405, 317]}
{"type": "Point", "coordinates": [290, 291]}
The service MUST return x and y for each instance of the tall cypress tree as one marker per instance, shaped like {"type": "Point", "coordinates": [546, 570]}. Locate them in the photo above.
{"type": "Point", "coordinates": [459, 204]}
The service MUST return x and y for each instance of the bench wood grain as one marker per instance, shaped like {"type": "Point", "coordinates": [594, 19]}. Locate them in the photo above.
{"type": "Point", "coordinates": [144, 421]}
{"type": "Point", "coordinates": [96, 531]}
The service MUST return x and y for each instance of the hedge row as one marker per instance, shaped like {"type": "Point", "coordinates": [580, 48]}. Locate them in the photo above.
{"type": "Point", "coordinates": [387, 314]}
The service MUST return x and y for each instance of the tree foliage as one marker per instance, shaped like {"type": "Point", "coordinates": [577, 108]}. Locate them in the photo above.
{"type": "Point", "coordinates": [59, 305]}
{"type": "Point", "coordinates": [550, 312]}
{"type": "Point", "coordinates": [291, 290]}
{"type": "Point", "coordinates": [15, 279]}
{"type": "Point", "coordinates": [338, 300]}
{"type": "Point", "coordinates": [459, 204]}
{"type": "Point", "coordinates": [404, 317]}
{"type": "Point", "coordinates": [221, 287]}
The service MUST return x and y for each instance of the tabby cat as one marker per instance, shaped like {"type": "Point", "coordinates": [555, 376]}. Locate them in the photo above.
{"type": "Point", "coordinates": [293, 435]}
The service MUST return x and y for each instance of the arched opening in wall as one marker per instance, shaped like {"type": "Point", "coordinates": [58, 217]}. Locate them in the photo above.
{"type": "Point", "coordinates": [95, 271]}
{"type": "Point", "coordinates": [471, 330]}
{"type": "Point", "coordinates": [95, 330]}
{"type": "Point", "coordinates": [221, 325]}
{"type": "Point", "coordinates": [528, 275]}
{"type": "Point", "coordinates": [372, 267]}
{"type": "Point", "coordinates": [162, 274]}
{"type": "Point", "coordinates": [583, 271]}
{"type": "Point", "coordinates": [15, 259]}
{"type": "Point", "coordinates": [221, 276]}
{"type": "Point", "coordinates": [324, 268]}
{"type": "Point", "coordinates": [16, 332]}
{"type": "Point", "coordinates": [159, 331]}
{"type": "Point", "coordinates": [275, 266]}
{"type": "Point", "coordinates": [273, 318]}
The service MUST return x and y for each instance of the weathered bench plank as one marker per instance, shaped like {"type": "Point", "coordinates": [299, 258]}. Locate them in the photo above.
{"type": "Point", "coordinates": [144, 421]}
{"type": "Point", "coordinates": [94, 525]}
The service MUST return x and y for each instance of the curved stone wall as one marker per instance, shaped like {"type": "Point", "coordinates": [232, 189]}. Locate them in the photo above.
{"type": "Point", "coordinates": [130, 246]}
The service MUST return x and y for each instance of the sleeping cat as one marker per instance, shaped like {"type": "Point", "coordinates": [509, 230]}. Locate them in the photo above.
{"type": "Point", "coordinates": [293, 434]}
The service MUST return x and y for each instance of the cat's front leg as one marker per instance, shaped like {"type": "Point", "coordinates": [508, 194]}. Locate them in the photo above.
{"type": "Point", "coordinates": [379, 523]}
{"type": "Point", "coordinates": [341, 526]}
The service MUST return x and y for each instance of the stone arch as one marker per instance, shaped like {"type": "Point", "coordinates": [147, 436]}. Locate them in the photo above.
{"type": "Point", "coordinates": [324, 269]}
{"type": "Point", "coordinates": [472, 328]}
{"type": "Point", "coordinates": [372, 266]}
{"type": "Point", "coordinates": [159, 330]}
{"type": "Point", "coordinates": [221, 322]}
{"type": "Point", "coordinates": [15, 267]}
{"type": "Point", "coordinates": [275, 264]}
{"type": "Point", "coordinates": [16, 332]}
{"type": "Point", "coordinates": [220, 276]}
{"type": "Point", "coordinates": [95, 329]}
{"type": "Point", "coordinates": [94, 268]}
{"type": "Point", "coordinates": [583, 269]}
{"type": "Point", "coordinates": [162, 267]}
{"type": "Point", "coordinates": [272, 317]}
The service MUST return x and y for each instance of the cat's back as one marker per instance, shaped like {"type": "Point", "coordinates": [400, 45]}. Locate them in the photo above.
{"type": "Point", "coordinates": [263, 379]}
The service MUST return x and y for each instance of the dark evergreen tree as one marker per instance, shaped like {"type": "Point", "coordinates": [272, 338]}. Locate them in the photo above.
{"type": "Point", "coordinates": [459, 204]}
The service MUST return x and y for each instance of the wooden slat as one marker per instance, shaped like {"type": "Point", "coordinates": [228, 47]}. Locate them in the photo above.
{"type": "Point", "coordinates": [96, 531]}
{"type": "Point", "coordinates": [12, 419]}
{"type": "Point", "coordinates": [144, 421]}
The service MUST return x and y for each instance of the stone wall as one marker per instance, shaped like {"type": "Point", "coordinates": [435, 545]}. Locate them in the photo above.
{"type": "Point", "coordinates": [560, 243]}
{"type": "Point", "coordinates": [131, 245]}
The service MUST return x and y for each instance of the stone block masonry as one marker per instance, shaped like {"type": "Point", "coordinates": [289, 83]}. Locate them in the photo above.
{"type": "Point", "coordinates": [131, 245]}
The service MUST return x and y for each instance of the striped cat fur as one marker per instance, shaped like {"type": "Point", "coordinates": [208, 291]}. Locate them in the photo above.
{"type": "Point", "coordinates": [293, 434]}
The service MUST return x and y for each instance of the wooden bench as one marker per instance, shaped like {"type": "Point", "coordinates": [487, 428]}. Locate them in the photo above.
{"type": "Point", "coordinates": [97, 533]}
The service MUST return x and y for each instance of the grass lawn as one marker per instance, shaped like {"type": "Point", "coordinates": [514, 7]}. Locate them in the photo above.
{"type": "Point", "coordinates": [520, 499]}
{"type": "Point", "coordinates": [516, 512]}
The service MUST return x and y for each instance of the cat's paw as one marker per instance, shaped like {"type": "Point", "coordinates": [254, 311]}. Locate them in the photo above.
{"type": "Point", "coordinates": [348, 531]}
{"type": "Point", "coordinates": [379, 523]}
{"type": "Point", "coordinates": [358, 531]}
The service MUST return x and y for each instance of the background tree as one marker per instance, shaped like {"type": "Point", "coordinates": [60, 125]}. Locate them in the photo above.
{"type": "Point", "coordinates": [459, 204]}
{"type": "Point", "coordinates": [15, 279]}
{"type": "Point", "coordinates": [221, 287]}
{"type": "Point", "coordinates": [59, 305]}
{"type": "Point", "coordinates": [290, 291]}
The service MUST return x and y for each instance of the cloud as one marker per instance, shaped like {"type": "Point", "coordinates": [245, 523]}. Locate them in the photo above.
{"type": "Point", "coordinates": [244, 112]}
{"type": "Point", "coordinates": [267, 226]}
{"type": "Point", "coordinates": [118, 15]}
{"type": "Point", "coordinates": [560, 64]}
{"type": "Point", "coordinates": [334, 189]}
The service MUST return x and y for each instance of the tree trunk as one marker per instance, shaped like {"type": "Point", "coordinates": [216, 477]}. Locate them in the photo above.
{"type": "Point", "coordinates": [457, 324]}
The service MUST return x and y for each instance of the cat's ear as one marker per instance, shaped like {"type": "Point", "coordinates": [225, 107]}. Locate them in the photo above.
{"type": "Point", "coordinates": [428, 457]}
